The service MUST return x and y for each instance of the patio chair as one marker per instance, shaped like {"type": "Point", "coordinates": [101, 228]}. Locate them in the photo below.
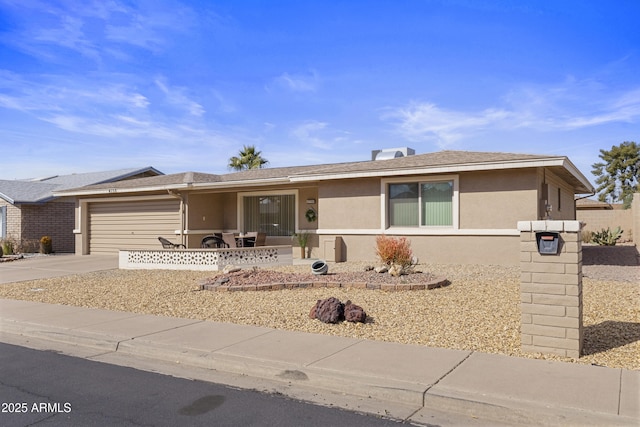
{"type": "Point", "coordinates": [213, 242]}
{"type": "Point", "coordinates": [256, 239]}
{"type": "Point", "coordinates": [166, 244]}
{"type": "Point", "coordinates": [230, 240]}
{"type": "Point", "coordinates": [250, 239]}
{"type": "Point", "coordinates": [261, 239]}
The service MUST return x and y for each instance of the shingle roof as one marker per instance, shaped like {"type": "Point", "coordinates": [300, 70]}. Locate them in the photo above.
{"type": "Point", "coordinates": [423, 163]}
{"type": "Point", "coordinates": [176, 179]}
{"type": "Point", "coordinates": [592, 204]}
{"type": "Point", "coordinates": [40, 190]}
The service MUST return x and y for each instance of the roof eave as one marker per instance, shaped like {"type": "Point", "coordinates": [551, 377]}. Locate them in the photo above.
{"type": "Point", "coordinates": [586, 188]}
{"type": "Point", "coordinates": [115, 190]}
{"type": "Point", "coordinates": [242, 183]}
{"type": "Point", "coordinates": [419, 170]}
{"type": "Point", "coordinates": [130, 174]}
{"type": "Point", "coordinates": [7, 198]}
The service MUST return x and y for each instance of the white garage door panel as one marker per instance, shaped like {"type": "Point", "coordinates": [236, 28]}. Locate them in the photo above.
{"type": "Point", "coordinates": [132, 225]}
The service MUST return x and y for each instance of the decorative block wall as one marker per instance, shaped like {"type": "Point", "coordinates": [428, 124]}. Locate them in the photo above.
{"type": "Point", "coordinates": [204, 259]}
{"type": "Point", "coordinates": [551, 290]}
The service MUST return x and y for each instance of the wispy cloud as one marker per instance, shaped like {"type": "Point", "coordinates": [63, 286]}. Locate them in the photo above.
{"type": "Point", "coordinates": [48, 93]}
{"type": "Point", "coordinates": [321, 135]}
{"type": "Point", "coordinates": [177, 96]}
{"type": "Point", "coordinates": [104, 108]}
{"type": "Point", "coordinates": [296, 82]}
{"type": "Point", "coordinates": [571, 106]}
{"type": "Point", "coordinates": [94, 29]}
{"type": "Point", "coordinates": [428, 122]}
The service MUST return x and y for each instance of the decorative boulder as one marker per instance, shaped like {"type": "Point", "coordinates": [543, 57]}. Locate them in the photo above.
{"type": "Point", "coordinates": [329, 310]}
{"type": "Point", "coordinates": [230, 268]}
{"type": "Point", "coordinates": [354, 313]}
{"type": "Point", "coordinates": [396, 271]}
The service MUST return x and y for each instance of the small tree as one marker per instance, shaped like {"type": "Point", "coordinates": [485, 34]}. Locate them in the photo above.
{"type": "Point", "coordinates": [248, 158]}
{"type": "Point", "coordinates": [617, 175]}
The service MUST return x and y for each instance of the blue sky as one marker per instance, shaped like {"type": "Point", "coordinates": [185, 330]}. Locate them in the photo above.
{"type": "Point", "coordinates": [183, 85]}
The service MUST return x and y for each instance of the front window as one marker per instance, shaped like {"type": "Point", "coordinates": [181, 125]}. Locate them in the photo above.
{"type": "Point", "coordinates": [428, 204]}
{"type": "Point", "coordinates": [271, 214]}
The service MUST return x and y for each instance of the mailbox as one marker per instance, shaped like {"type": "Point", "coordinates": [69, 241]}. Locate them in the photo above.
{"type": "Point", "coordinates": [548, 242]}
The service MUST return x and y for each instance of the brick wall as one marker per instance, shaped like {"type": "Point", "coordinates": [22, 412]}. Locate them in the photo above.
{"type": "Point", "coordinates": [14, 220]}
{"type": "Point", "coordinates": [551, 290]}
{"type": "Point", "coordinates": [55, 219]}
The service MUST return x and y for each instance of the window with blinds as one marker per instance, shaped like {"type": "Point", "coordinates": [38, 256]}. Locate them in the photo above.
{"type": "Point", "coordinates": [271, 214]}
{"type": "Point", "coordinates": [427, 204]}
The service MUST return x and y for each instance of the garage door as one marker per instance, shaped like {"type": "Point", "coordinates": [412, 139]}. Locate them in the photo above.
{"type": "Point", "coordinates": [132, 225]}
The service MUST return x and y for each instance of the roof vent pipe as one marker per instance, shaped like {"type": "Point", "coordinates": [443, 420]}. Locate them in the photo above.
{"type": "Point", "coordinates": [392, 153]}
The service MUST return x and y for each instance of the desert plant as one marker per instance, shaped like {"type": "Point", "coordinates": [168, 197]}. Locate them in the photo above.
{"type": "Point", "coordinates": [394, 251]}
{"type": "Point", "coordinates": [607, 237]}
{"type": "Point", "coordinates": [302, 239]}
{"type": "Point", "coordinates": [7, 246]}
{"type": "Point", "coordinates": [587, 236]}
{"type": "Point", "coordinates": [26, 246]}
{"type": "Point", "coordinates": [45, 245]}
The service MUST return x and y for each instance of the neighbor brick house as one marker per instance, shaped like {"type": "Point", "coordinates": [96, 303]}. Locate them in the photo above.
{"type": "Point", "coordinates": [29, 209]}
{"type": "Point", "coordinates": [454, 206]}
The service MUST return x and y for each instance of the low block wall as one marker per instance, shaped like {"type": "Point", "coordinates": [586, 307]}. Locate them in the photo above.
{"type": "Point", "coordinates": [204, 259]}
{"type": "Point", "coordinates": [551, 290]}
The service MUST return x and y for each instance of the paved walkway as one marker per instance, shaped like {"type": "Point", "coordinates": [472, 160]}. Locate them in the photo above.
{"type": "Point", "coordinates": [414, 381]}
{"type": "Point", "coordinates": [44, 266]}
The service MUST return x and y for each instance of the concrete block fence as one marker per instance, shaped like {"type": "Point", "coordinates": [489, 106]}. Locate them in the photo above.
{"type": "Point", "coordinates": [551, 290]}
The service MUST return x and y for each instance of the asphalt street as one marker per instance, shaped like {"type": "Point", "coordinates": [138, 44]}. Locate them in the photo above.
{"type": "Point", "coordinates": [50, 389]}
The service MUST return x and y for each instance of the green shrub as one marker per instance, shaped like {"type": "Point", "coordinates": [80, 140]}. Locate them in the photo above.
{"type": "Point", "coordinates": [607, 237]}
{"type": "Point", "coordinates": [7, 246]}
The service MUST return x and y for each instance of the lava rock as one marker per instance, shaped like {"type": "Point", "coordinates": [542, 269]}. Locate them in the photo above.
{"type": "Point", "coordinates": [354, 313]}
{"type": "Point", "coordinates": [329, 310]}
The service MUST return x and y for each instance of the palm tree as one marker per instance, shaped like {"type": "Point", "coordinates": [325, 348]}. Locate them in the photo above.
{"type": "Point", "coordinates": [248, 158]}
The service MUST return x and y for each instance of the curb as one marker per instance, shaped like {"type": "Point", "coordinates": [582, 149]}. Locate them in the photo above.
{"type": "Point", "coordinates": [424, 398]}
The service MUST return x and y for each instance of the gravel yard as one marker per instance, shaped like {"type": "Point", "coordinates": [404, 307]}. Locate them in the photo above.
{"type": "Point", "coordinates": [478, 311]}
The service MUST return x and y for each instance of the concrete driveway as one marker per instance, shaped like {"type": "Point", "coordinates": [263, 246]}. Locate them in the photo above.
{"type": "Point", "coordinates": [42, 267]}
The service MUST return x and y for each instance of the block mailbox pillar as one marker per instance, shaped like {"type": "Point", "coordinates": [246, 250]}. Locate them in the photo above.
{"type": "Point", "coordinates": [551, 287]}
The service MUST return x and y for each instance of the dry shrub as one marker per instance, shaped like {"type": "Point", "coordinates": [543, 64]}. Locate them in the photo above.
{"type": "Point", "coordinates": [394, 251]}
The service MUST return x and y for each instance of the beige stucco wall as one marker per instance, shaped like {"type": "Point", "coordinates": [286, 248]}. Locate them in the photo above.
{"type": "Point", "coordinates": [497, 199]}
{"type": "Point", "coordinates": [204, 211]}
{"type": "Point", "coordinates": [499, 250]}
{"type": "Point", "coordinates": [349, 204]}
{"type": "Point", "coordinates": [559, 195]}
{"type": "Point", "coordinates": [627, 219]}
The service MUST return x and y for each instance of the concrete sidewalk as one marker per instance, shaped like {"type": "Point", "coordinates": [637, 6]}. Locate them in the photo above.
{"type": "Point", "coordinates": [412, 381]}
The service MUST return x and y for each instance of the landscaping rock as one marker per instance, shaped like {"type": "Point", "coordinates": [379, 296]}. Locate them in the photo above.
{"type": "Point", "coordinates": [396, 270]}
{"type": "Point", "coordinates": [329, 310]}
{"type": "Point", "coordinates": [228, 269]}
{"type": "Point", "coordinates": [381, 269]}
{"type": "Point", "coordinates": [354, 313]}
{"type": "Point", "coordinates": [222, 281]}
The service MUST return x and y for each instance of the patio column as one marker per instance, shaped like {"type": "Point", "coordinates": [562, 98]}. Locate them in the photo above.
{"type": "Point", "coordinates": [551, 287]}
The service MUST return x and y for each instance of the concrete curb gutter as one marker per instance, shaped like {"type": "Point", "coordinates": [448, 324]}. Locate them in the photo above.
{"type": "Point", "coordinates": [419, 379]}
